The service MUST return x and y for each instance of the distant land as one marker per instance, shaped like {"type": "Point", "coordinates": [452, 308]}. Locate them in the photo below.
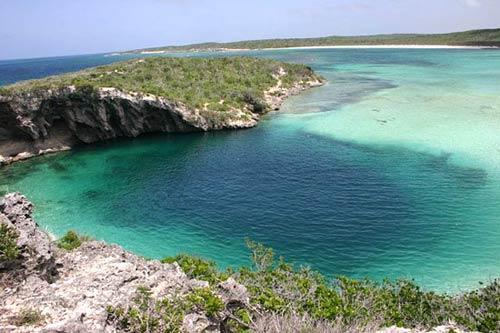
{"type": "Point", "coordinates": [479, 38]}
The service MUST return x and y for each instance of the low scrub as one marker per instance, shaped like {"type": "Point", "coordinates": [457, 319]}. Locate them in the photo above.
{"type": "Point", "coordinates": [280, 289]}
{"type": "Point", "coordinates": [198, 268]}
{"type": "Point", "coordinates": [71, 240]}
{"type": "Point", "coordinates": [147, 314]}
{"type": "Point", "coordinates": [29, 317]}
{"type": "Point", "coordinates": [220, 84]}
{"type": "Point", "coordinates": [8, 243]}
{"type": "Point", "coordinates": [290, 299]}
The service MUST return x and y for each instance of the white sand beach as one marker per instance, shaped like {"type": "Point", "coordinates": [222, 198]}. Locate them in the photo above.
{"type": "Point", "coordinates": [383, 47]}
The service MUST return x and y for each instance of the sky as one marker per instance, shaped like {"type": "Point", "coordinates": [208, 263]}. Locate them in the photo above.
{"type": "Point", "coordinates": [39, 28]}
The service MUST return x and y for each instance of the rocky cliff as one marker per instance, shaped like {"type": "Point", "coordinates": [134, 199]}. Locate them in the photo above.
{"type": "Point", "coordinates": [71, 290]}
{"type": "Point", "coordinates": [35, 120]}
{"type": "Point", "coordinates": [96, 287]}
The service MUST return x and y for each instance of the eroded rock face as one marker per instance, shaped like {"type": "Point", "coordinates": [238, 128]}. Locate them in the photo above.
{"type": "Point", "coordinates": [45, 121]}
{"type": "Point", "coordinates": [199, 323]}
{"type": "Point", "coordinates": [35, 247]}
{"type": "Point", "coordinates": [38, 122]}
{"type": "Point", "coordinates": [88, 279]}
{"type": "Point", "coordinates": [233, 294]}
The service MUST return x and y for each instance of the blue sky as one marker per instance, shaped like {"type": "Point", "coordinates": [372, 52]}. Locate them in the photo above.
{"type": "Point", "coordinates": [35, 28]}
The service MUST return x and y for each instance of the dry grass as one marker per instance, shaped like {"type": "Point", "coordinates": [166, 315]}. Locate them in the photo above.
{"type": "Point", "coordinates": [295, 323]}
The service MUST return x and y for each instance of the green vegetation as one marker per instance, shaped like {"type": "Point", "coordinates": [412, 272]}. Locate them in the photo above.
{"type": "Point", "coordinates": [486, 37]}
{"type": "Point", "coordinates": [211, 85]}
{"type": "Point", "coordinates": [71, 241]}
{"type": "Point", "coordinates": [8, 243]}
{"type": "Point", "coordinates": [279, 288]}
{"type": "Point", "coordinates": [198, 268]}
{"type": "Point", "coordinates": [205, 300]}
{"type": "Point", "coordinates": [284, 296]}
{"type": "Point", "coordinates": [29, 317]}
{"type": "Point", "coordinates": [148, 315]}
{"type": "Point", "coordinates": [165, 315]}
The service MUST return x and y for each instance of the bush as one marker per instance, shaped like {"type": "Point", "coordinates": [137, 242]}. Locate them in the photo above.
{"type": "Point", "coordinates": [280, 289]}
{"type": "Point", "coordinates": [254, 99]}
{"type": "Point", "coordinates": [288, 298]}
{"type": "Point", "coordinates": [29, 317]}
{"type": "Point", "coordinates": [163, 315]}
{"type": "Point", "coordinates": [149, 315]}
{"type": "Point", "coordinates": [197, 268]}
{"type": "Point", "coordinates": [480, 309]}
{"type": "Point", "coordinates": [71, 241]}
{"type": "Point", "coordinates": [205, 300]}
{"type": "Point", "coordinates": [8, 243]}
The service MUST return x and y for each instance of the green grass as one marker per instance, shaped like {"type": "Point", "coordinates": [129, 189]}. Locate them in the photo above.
{"type": "Point", "coordinates": [198, 83]}
{"type": "Point", "coordinates": [485, 37]}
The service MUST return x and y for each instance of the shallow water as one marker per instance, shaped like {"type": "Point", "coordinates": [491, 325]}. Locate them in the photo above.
{"type": "Point", "coordinates": [390, 170]}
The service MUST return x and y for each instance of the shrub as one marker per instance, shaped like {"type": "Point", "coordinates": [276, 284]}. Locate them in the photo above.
{"type": "Point", "coordinates": [149, 315]}
{"type": "Point", "coordinates": [29, 317]}
{"type": "Point", "coordinates": [163, 315]}
{"type": "Point", "coordinates": [204, 299]}
{"type": "Point", "coordinates": [198, 268]}
{"type": "Point", "coordinates": [71, 241]}
{"type": "Point", "coordinates": [8, 243]}
{"type": "Point", "coordinates": [480, 309]}
{"type": "Point", "coordinates": [4, 91]}
{"type": "Point", "coordinates": [298, 299]}
{"type": "Point", "coordinates": [280, 289]}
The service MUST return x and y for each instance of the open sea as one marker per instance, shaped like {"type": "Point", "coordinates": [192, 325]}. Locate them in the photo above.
{"type": "Point", "coordinates": [392, 170]}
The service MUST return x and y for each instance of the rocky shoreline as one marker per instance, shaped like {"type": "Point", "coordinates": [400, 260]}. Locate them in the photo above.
{"type": "Point", "coordinates": [39, 122]}
{"type": "Point", "coordinates": [72, 291]}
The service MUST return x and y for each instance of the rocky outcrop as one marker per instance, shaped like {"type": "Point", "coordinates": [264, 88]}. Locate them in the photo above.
{"type": "Point", "coordinates": [38, 121]}
{"type": "Point", "coordinates": [70, 291]}
{"type": "Point", "coordinates": [36, 253]}
{"type": "Point", "coordinates": [87, 280]}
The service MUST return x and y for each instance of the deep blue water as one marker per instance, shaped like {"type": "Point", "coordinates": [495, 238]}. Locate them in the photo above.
{"type": "Point", "coordinates": [327, 182]}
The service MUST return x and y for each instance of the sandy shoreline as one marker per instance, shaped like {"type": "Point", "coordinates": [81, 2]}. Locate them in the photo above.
{"type": "Point", "coordinates": [395, 46]}
{"type": "Point", "coordinates": [383, 47]}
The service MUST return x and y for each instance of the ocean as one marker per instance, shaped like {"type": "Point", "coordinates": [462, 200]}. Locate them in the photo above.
{"type": "Point", "coordinates": [391, 170]}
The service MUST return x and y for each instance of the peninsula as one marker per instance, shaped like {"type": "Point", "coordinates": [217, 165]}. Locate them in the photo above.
{"type": "Point", "coordinates": [130, 98]}
{"type": "Point", "coordinates": [471, 38]}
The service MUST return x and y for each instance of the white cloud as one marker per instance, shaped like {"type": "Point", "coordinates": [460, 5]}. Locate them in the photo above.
{"type": "Point", "coordinates": [473, 3]}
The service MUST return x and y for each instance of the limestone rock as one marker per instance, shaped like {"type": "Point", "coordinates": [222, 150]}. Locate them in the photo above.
{"type": "Point", "coordinates": [198, 323]}
{"type": "Point", "coordinates": [43, 121]}
{"type": "Point", "coordinates": [87, 280]}
{"type": "Point", "coordinates": [233, 293]}
{"type": "Point", "coordinates": [439, 329]}
{"type": "Point", "coordinates": [36, 249]}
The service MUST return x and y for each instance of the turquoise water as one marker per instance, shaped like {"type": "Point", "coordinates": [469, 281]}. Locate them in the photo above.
{"type": "Point", "coordinates": [390, 170]}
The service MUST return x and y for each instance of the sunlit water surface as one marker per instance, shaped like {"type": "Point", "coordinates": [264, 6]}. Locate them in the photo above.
{"type": "Point", "coordinates": [390, 170]}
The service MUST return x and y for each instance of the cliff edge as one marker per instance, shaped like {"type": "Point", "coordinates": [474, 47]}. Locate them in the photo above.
{"type": "Point", "coordinates": [143, 96]}
{"type": "Point", "coordinates": [79, 285]}
{"type": "Point", "coordinates": [48, 289]}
